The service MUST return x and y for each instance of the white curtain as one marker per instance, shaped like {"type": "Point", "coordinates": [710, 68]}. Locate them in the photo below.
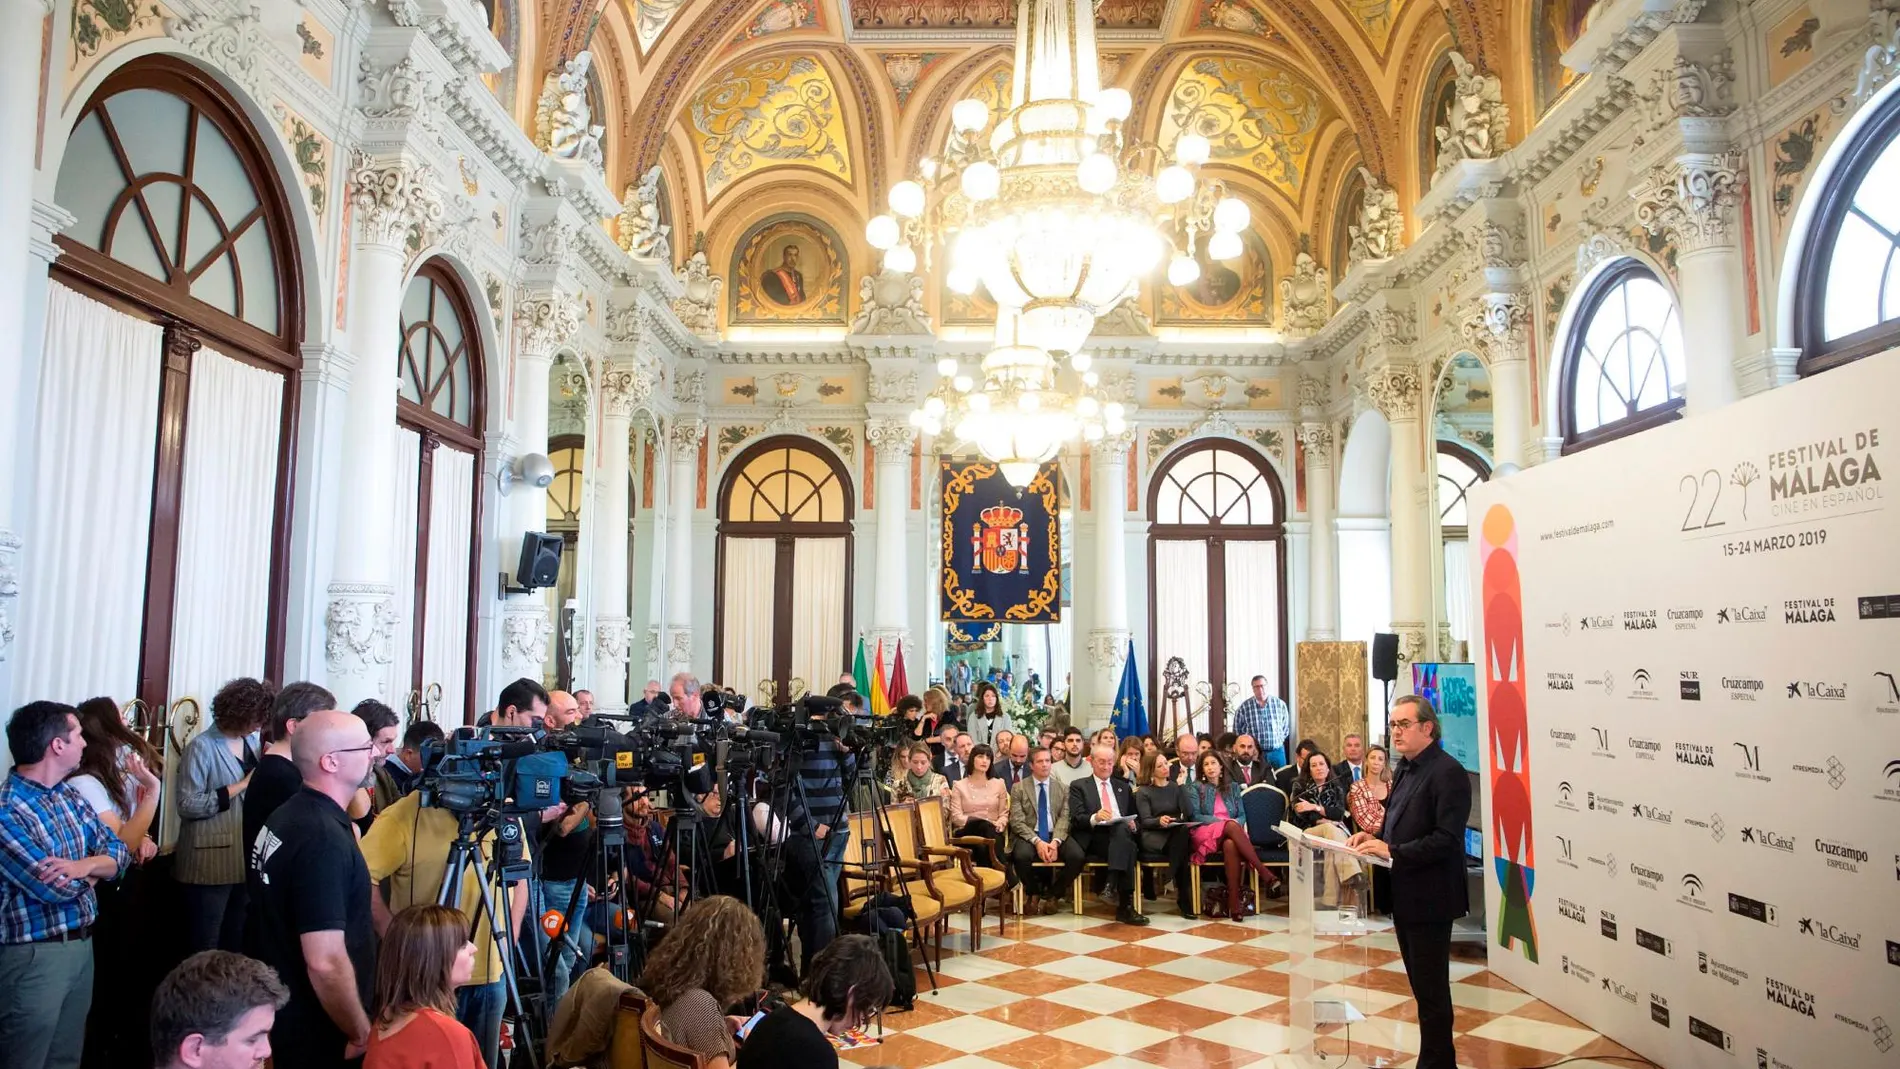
{"type": "Point", "coordinates": [746, 635]}
{"type": "Point", "coordinates": [445, 621]}
{"type": "Point", "coordinates": [1253, 615]}
{"type": "Point", "coordinates": [818, 612]}
{"type": "Point", "coordinates": [408, 481]}
{"type": "Point", "coordinates": [1458, 589]}
{"type": "Point", "coordinates": [82, 595]}
{"type": "Point", "coordinates": [1180, 583]}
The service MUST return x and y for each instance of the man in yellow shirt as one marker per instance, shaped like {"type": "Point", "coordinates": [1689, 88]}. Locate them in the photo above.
{"type": "Point", "coordinates": [409, 847]}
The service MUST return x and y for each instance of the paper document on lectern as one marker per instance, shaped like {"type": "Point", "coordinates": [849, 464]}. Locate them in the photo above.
{"type": "Point", "coordinates": [1295, 835]}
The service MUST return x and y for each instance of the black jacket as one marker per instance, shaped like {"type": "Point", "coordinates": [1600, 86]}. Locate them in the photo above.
{"type": "Point", "coordinates": [1152, 803]}
{"type": "Point", "coordinates": [1425, 828]}
{"type": "Point", "coordinates": [1084, 801]}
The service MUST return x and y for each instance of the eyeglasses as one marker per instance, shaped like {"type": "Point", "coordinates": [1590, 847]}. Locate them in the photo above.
{"type": "Point", "coordinates": [1400, 725]}
{"type": "Point", "coordinates": [365, 748]}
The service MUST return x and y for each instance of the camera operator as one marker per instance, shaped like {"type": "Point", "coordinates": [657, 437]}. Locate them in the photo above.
{"type": "Point", "coordinates": [567, 845]}
{"type": "Point", "coordinates": [523, 704]}
{"type": "Point", "coordinates": [685, 693]}
{"type": "Point", "coordinates": [564, 711]}
{"type": "Point", "coordinates": [584, 699]}
{"type": "Point", "coordinates": [828, 765]}
{"type": "Point", "coordinates": [396, 774]}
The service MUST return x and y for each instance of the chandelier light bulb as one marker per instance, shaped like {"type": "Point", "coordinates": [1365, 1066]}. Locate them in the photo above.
{"type": "Point", "coordinates": [917, 418]}
{"type": "Point", "coordinates": [1230, 215]}
{"type": "Point", "coordinates": [1091, 379]}
{"type": "Point", "coordinates": [1224, 245]}
{"type": "Point", "coordinates": [1087, 406]}
{"type": "Point", "coordinates": [881, 232]}
{"type": "Point", "coordinates": [978, 402]}
{"type": "Point", "coordinates": [1093, 432]}
{"type": "Point", "coordinates": [961, 279]}
{"type": "Point", "coordinates": [1192, 150]}
{"type": "Point", "coordinates": [1113, 411]}
{"type": "Point", "coordinates": [1081, 361]}
{"type": "Point", "coordinates": [1146, 249]}
{"type": "Point", "coordinates": [907, 199]}
{"type": "Point", "coordinates": [1114, 104]}
{"type": "Point", "coordinates": [927, 167]}
{"type": "Point", "coordinates": [933, 407]}
{"type": "Point", "coordinates": [981, 180]}
{"type": "Point", "coordinates": [963, 383]}
{"type": "Point", "coordinates": [902, 259]}
{"type": "Point", "coordinates": [1182, 270]}
{"type": "Point", "coordinates": [1174, 184]}
{"type": "Point", "coordinates": [969, 116]}
{"type": "Point", "coordinates": [1028, 402]}
{"type": "Point", "coordinates": [1096, 173]}
{"type": "Point", "coordinates": [947, 367]}
{"type": "Point", "coordinates": [1114, 426]}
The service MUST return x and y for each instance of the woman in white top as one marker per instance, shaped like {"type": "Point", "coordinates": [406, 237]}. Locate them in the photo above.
{"type": "Point", "coordinates": [117, 774]}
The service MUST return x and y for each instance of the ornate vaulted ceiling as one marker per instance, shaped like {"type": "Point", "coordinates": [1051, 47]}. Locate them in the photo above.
{"type": "Point", "coordinates": [759, 107]}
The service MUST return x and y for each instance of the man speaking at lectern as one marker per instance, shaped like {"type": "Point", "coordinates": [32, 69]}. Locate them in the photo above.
{"type": "Point", "coordinates": [1424, 836]}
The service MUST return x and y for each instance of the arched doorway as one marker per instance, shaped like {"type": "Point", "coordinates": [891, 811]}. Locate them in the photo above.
{"type": "Point", "coordinates": [784, 569]}
{"type": "Point", "coordinates": [568, 454]}
{"type": "Point", "coordinates": [1217, 571]}
{"type": "Point", "coordinates": [158, 536]}
{"type": "Point", "coordinates": [438, 496]}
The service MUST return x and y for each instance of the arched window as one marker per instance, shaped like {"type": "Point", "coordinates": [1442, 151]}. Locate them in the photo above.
{"type": "Point", "coordinates": [438, 494]}
{"type": "Point", "coordinates": [1623, 364]}
{"type": "Point", "coordinates": [158, 529]}
{"type": "Point", "coordinates": [784, 568]}
{"type": "Point", "coordinates": [568, 454]}
{"type": "Point", "coordinates": [1459, 470]}
{"type": "Point", "coordinates": [1217, 572]}
{"type": "Point", "coordinates": [1848, 300]}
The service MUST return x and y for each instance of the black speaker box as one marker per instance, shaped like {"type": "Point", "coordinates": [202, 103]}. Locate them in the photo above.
{"type": "Point", "coordinates": [1385, 658]}
{"type": "Point", "coordinates": [540, 560]}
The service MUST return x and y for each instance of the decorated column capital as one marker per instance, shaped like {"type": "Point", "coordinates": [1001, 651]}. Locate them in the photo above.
{"type": "Point", "coordinates": [1394, 391]}
{"type": "Point", "coordinates": [1113, 448]}
{"type": "Point", "coordinates": [1497, 325]}
{"type": "Point", "coordinates": [1691, 200]}
{"type": "Point", "coordinates": [390, 197]}
{"type": "Point", "coordinates": [891, 438]}
{"type": "Point", "coordinates": [621, 391]}
{"type": "Point", "coordinates": [1392, 332]}
{"type": "Point", "coordinates": [1318, 440]}
{"type": "Point", "coordinates": [544, 322]}
{"type": "Point", "coordinates": [682, 438]}
{"type": "Point", "coordinates": [1313, 393]}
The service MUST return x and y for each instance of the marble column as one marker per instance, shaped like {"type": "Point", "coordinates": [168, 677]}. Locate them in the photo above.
{"type": "Point", "coordinates": [613, 639]}
{"type": "Point", "coordinates": [365, 618]}
{"type": "Point", "coordinates": [890, 593]}
{"type": "Point", "coordinates": [1322, 614]}
{"type": "Point", "coordinates": [544, 322]}
{"type": "Point", "coordinates": [1692, 200]}
{"type": "Point", "coordinates": [1108, 631]}
{"type": "Point", "coordinates": [1395, 389]}
{"type": "Point", "coordinates": [21, 22]}
{"type": "Point", "coordinates": [682, 486]}
{"type": "Point", "coordinates": [1498, 328]}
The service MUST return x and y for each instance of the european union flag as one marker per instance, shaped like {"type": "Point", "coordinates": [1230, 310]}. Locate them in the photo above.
{"type": "Point", "coordinates": [1131, 713]}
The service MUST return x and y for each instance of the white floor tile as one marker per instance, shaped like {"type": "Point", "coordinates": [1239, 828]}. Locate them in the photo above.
{"type": "Point", "coordinates": [1101, 999]}
{"type": "Point", "coordinates": [1074, 942]}
{"type": "Point", "coordinates": [1368, 1000]}
{"type": "Point", "coordinates": [1112, 1034]}
{"type": "Point", "coordinates": [971, 1033]}
{"type": "Point", "coordinates": [1223, 999]}
{"type": "Point", "coordinates": [970, 998]}
{"type": "Point", "coordinates": [1559, 1038]}
{"type": "Point", "coordinates": [1321, 969]}
{"type": "Point", "coordinates": [1491, 999]}
{"type": "Point", "coordinates": [1086, 969]}
{"type": "Point", "coordinates": [1181, 943]}
{"type": "Point", "coordinates": [1206, 970]}
{"type": "Point", "coordinates": [975, 967]}
{"type": "Point", "coordinates": [1246, 1033]}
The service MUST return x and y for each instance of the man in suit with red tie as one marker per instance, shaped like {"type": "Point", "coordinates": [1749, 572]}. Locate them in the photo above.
{"type": "Point", "coordinates": [1424, 837]}
{"type": "Point", "coordinates": [1249, 769]}
{"type": "Point", "coordinates": [1102, 818]}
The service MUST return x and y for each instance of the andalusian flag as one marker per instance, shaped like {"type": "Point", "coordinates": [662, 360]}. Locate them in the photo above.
{"type": "Point", "coordinates": [900, 683]}
{"type": "Point", "coordinates": [861, 672]}
{"type": "Point", "coordinates": [880, 701]}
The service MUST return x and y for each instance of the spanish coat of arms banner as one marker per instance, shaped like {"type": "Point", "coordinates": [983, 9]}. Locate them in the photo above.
{"type": "Point", "coordinates": [1002, 548]}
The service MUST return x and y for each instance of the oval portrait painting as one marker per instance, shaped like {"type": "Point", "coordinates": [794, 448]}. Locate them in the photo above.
{"type": "Point", "coordinates": [789, 270]}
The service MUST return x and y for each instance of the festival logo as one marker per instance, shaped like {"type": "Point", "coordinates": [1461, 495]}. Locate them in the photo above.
{"type": "Point", "coordinates": [1695, 753]}
{"type": "Point", "coordinates": [1639, 619]}
{"type": "Point", "coordinates": [1768, 839]}
{"type": "Point", "coordinates": [1560, 681]}
{"type": "Point", "coordinates": [1830, 933]}
{"type": "Point", "coordinates": [1574, 911]}
{"type": "Point", "coordinates": [1839, 855]}
{"type": "Point", "coordinates": [1823, 476]}
{"type": "Point", "coordinates": [1807, 611]}
{"type": "Point", "coordinates": [1789, 997]}
{"type": "Point", "coordinates": [1691, 895]}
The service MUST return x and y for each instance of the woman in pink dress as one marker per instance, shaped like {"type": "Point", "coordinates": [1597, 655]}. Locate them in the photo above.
{"type": "Point", "coordinates": [1216, 799]}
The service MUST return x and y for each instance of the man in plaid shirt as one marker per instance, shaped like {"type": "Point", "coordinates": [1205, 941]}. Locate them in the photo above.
{"type": "Point", "coordinates": [1268, 720]}
{"type": "Point", "coordinates": [53, 848]}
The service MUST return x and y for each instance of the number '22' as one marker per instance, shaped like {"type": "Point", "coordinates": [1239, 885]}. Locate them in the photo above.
{"type": "Point", "coordinates": [1696, 486]}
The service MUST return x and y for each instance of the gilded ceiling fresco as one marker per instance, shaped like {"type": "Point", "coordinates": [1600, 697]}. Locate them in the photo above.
{"type": "Point", "coordinates": [906, 69]}
{"type": "Point", "coordinates": [1255, 114]}
{"type": "Point", "coordinates": [759, 114]}
{"type": "Point", "coordinates": [926, 16]}
{"type": "Point", "coordinates": [650, 19]}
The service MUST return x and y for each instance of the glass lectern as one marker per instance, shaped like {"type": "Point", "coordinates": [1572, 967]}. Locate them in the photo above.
{"type": "Point", "coordinates": [1331, 946]}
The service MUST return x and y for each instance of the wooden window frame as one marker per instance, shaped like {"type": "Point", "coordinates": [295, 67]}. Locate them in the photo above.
{"type": "Point", "coordinates": [1834, 202]}
{"type": "Point", "coordinates": [1215, 536]}
{"type": "Point", "coordinates": [1465, 455]}
{"type": "Point", "coordinates": [785, 534]}
{"type": "Point", "coordinates": [1656, 416]}
{"type": "Point", "coordinates": [189, 325]}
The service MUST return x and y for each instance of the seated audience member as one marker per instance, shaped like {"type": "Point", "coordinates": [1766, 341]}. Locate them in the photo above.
{"type": "Point", "coordinates": [712, 957]}
{"type": "Point", "coordinates": [1128, 762]}
{"type": "Point", "coordinates": [1004, 740]}
{"type": "Point", "coordinates": [1073, 764]}
{"type": "Point", "coordinates": [944, 746]}
{"type": "Point", "coordinates": [396, 774]}
{"type": "Point", "coordinates": [1046, 738]}
{"type": "Point", "coordinates": [1187, 752]}
{"type": "Point", "coordinates": [979, 802]}
{"type": "Point", "coordinates": [1102, 820]}
{"type": "Point", "coordinates": [845, 988]}
{"type": "Point", "coordinates": [1225, 744]}
{"type": "Point", "coordinates": [214, 1011]}
{"type": "Point", "coordinates": [53, 851]}
{"type": "Point", "coordinates": [1148, 744]}
{"type": "Point", "coordinates": [381, 721]}
{"type": "Point", "coordinates": [920, 723]}
{"type": "Point", "coordinates": [1216, 799]}
{"type": "Point", "coordinates": [1038, 828]}
{"type": "Point", "coordinates": [426, 955]}
{"type": "Point", "coordinates": [916, 780]}
{"type": "Point", "coordinates": [1248, 767]}
{"type": "Point", "coordinates": [214, 777]}
{"type": "Point", "coordinates": [1014, 765]}
{"type": "Point", "coordinates": [1352, 767]}
{"type": "Point", "coordinates": [1162, 806]}
{"type": "Point", "coordinates": [1318, 806]}
{"type": "Point", "coordinates": [1283, 778]}
{"type": "Point", "coordinates": [1366, 801]}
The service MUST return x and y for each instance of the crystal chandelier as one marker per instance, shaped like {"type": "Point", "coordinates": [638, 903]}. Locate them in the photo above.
{"type": "Point", "coordinates": [1058, 213]}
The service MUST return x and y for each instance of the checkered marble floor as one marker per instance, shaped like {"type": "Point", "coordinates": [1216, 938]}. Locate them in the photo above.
{"type": "Point", "coordinates": [1069, 992]}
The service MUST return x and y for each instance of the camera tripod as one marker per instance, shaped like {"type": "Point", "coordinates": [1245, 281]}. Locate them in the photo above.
{"type": "Point", "coordinates": [491, 883]}
{"type": "Point", "coordinates": [606, 869]}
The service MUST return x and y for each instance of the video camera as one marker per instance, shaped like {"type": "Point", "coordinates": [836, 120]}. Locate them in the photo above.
{"type": "Point", "coordinates": [491, 770]}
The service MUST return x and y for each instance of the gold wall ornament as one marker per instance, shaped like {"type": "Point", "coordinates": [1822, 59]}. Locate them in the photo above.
{"type": "Point", "coordinates": [776, 112]}
{"type": "Point", "coordinates": [1254, 114]}
{"type": "Point", "coordinates": [789, 269]}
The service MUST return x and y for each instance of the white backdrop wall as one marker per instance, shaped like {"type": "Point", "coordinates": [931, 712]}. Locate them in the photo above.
{"type": "Point", "coordinates": [1695, 758]}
